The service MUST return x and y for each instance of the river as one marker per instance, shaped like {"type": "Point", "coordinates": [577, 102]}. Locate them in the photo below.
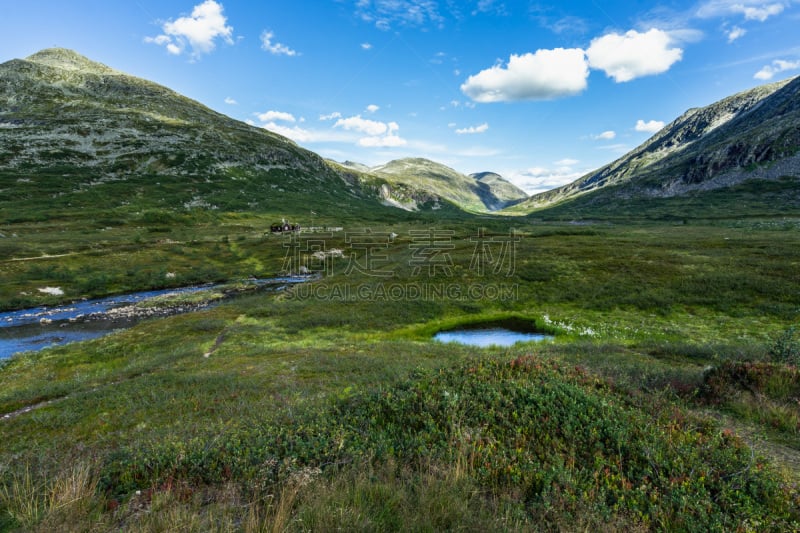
{"type": "Point", "coordinates": [41, 327]}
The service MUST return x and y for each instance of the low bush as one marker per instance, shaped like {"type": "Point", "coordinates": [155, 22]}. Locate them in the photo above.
{"type": "Point", "coordinates": [551, 442]}
{"type": "Point", "coordinates": [786, 347]}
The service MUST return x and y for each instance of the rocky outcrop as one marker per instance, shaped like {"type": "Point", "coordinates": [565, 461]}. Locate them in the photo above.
{"type": "Point", "coordinates": [725, 143]}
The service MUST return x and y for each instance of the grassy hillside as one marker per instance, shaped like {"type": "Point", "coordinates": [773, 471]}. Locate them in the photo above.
{"type": "Point", "coordinates": [80, 137]}
{"type": "Point", "coordinates": [749, 199]}
{"type": "Point", "coordinates": [424, 179]}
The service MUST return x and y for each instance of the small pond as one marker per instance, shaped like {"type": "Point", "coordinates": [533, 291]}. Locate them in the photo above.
{"type": "Point", "coordinates": [505, 333]}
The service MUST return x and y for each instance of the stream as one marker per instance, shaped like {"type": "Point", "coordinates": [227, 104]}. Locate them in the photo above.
{"type": "Point", "coordinates": [41, 327]}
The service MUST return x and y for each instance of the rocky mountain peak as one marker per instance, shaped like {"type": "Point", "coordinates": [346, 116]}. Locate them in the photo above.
{"type": "Point", "coordinates": [66, 59]}
{"type": "Point", "coordinates": [486, 176]}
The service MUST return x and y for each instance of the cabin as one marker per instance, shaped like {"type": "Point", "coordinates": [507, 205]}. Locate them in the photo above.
{"type": "Point", "coordinates": [284, 227]}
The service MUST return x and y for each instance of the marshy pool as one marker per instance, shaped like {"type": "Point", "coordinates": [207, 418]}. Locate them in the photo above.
{"type": "Point", "coordinates": [490, 336]}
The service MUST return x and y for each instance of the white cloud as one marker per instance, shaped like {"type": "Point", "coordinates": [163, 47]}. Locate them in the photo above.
{"type": "Point", "coordinates": [354, 130]}
{"type": "Point", "coordinates": [634, 54]}
{"type": "Point", "coordinates": [473, 129]}
{"type": "Point", "coordinates": [160, 40]}
{"type": "Point", "coordinates": [759, 10]}
{"type": "Point", "coordinates": [387, 141]}
{"type": "Point", "coordinates": [272, 116]}
{"type": "Point", "coordinates": [685, 36]}
{"type": "Point", "coordinates": [200, 30]}
{"type": "Point", "coordinates": [619, 148]}
{"type": "Point", "coordinates": [294, 133]}
{"type": "Point", "coordinates": [366, 46]}
{"type": "Point", "coordinates": [539, 179]}
{"type": "Point", "coordinates": [277, 49]}
{"type": "Point", "coordinates": [761, 13]}
{"type": "Point", "coordinates": [651, 126]}
{"type": "Point", "coordinates": [379, 134]}
{"type": "Point", "coordinates": [231, 101]}
{"type": "Point", "coordinates": [457, 103]}
{"type": "Point", "coordinates": [372, 108]}
{"type": "Point", "coordinates": [490, 6]}
{"type": "Point", "coordinates": [302, 135]}
{"type": "Point", "coordinates": [438, 59]}
{"type": "Point", "coordinates": [777, 66]}
{"type": "Point", "coordinates": [387, 13]}
{"type": "Point", "coordinates": [363, 125]}
{"type": "Point", "coordinates": [542, 75]}
{"type": "Point", "coordinates": [605, 136]}
{"type": "Point", "coordinates": [536, 172]}
{"type": "Point", "coordinates": [735, 33]}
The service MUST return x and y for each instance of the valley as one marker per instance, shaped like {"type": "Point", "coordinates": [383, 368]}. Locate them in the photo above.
{"type": "Point", "coordinates": [668, 398]}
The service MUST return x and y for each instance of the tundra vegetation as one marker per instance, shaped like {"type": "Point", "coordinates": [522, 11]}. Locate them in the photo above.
{"type": "Point", "coordinates": [669, 398]}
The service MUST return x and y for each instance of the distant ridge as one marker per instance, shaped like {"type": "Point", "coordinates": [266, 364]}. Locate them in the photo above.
{"type": "Point", "coordinates": [506, 192]}
{"type": "Point", "coordinates": [468, 192]}
{"type": "Point", "coordinates": [752, 134]}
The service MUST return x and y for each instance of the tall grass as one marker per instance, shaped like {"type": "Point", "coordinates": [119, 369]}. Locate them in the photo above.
{"type": "Point", "coordinates": [67, 498]}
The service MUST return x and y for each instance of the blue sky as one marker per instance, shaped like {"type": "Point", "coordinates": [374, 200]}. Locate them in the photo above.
{"type": "Point", "coordinates": [538, 92]}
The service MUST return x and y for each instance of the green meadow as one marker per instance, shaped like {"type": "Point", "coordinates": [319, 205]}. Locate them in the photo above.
{"type": "Point", "coordinates": [669, 398]}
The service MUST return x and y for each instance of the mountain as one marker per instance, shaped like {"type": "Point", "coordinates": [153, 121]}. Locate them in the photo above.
{"type": "Point", "coordinates": [506, 192]}
{"type": "Point", "coordinates": [355, 166]}
{"type": "Point", "coordinates": [416, 179]}
{"type": "Point", "coordinates": [76, 134]}
{"type": "Point", "coordinates": [752, 134]}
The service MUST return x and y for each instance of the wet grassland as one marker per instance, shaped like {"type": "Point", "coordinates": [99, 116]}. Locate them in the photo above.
{"type": "Point", "coordinates": [668, 399]}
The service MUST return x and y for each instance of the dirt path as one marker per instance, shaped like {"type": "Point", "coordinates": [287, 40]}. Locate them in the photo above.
{"type": "Point", "coordinates": [33, 407]}
{"type": "Point", "coordinates": [39, 257]}
{"type": "Point", "coordinates": [784, 457]}
{"type": "Point", "coordinates": [29, 408]}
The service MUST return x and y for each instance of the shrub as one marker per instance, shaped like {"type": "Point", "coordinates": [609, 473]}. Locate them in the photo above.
{"type": "Point", "coordinates": [786, 348]}
{"type": "Point", "coordinates": [550, 441]}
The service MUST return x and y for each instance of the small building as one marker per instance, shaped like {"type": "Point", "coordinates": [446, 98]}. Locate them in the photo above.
{"type": "Point", "coordinates": [284, 227]}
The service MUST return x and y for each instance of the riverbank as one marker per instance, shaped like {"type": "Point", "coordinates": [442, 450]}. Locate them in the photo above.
{"type": "Point", "coordinates": [42, 327]}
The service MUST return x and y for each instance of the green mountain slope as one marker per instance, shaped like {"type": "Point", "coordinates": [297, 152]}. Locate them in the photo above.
{"type": "Point", "coordinates": [754, 134]}
{"type": "Point", "coordinates": [425, 180]}
{"type": "Point", "coordinates": [75, 134]}
{"type": "Point", "coordinates": [507, 193]}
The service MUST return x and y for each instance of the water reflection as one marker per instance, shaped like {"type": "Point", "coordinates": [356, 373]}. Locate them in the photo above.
{"type": "Point", "coordinates": [489, 337]}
